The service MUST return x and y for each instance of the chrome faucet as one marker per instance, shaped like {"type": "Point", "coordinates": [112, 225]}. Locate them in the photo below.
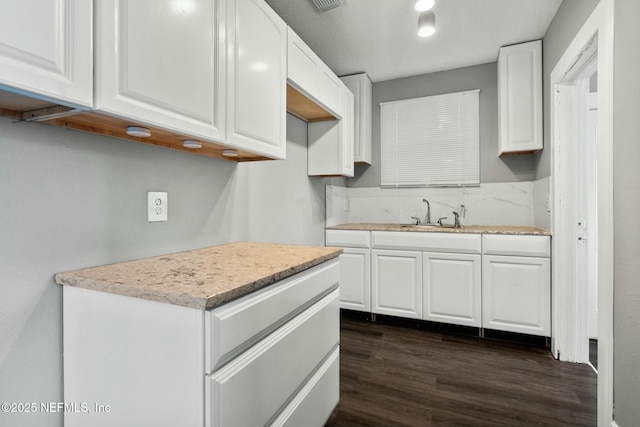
{"type": "Point", "coordinates": [427, 219]}
{"type": "Point", "coordinates": [456, 219]}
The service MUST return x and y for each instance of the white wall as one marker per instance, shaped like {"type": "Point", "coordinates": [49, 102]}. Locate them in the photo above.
{"type": "Point", "coordinates": [484, 77]}
{"type": "Point", "coordinates": [70, 200]}
{"type": "Point", "coordinates": [626, 177]}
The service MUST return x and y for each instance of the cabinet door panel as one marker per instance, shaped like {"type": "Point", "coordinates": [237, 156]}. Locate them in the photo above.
{"type": "Point", "coordinates": [516, 294]}
{"type": "Point", "coordinates": [330, 90]}
{"type": "Point", "coordinates": [520, 97]}
{"type": "Point", "coordinates": [397, 283]}
{"type": "Point", "coordinates": [161, 63]}
{"type": "Point", "coordinates": [452, 288]}
{"type": "Point", "coordinates": [355, 279]}
{"type": "Point", "coordinates": [46, 49]}
{"type": "Point", "coordinates": [257, 78]}
{"type": "Point", "coordinates": [302, 64]}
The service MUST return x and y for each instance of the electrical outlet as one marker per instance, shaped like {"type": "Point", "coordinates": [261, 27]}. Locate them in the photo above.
{"type": "Point", "coordinates": [157, 206]}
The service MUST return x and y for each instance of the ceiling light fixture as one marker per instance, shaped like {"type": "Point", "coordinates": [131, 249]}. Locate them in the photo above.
{"type": "Point", "coordinates": [426, 24]}
{"type": "Point", "coordinates": [424, 5]}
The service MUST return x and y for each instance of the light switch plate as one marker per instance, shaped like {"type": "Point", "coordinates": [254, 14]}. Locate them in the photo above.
{"type": "Point", "coordinates": [157, 206]}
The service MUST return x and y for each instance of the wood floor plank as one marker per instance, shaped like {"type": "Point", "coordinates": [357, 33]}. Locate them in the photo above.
{"type": "Point", "coordinates": [393, 375]}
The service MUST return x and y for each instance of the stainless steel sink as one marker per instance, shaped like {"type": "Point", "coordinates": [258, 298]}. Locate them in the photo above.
{"type": "Point", "coordinates": [427, 225]}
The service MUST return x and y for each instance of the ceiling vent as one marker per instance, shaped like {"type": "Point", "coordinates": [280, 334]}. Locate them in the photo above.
{"type": "Point", "coordinates": [324, 5]}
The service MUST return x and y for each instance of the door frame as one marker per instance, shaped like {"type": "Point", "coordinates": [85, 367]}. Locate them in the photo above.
{"type": "Point", "coordinates": [567, 311]}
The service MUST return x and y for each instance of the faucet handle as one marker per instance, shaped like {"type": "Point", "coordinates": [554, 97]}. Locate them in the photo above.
{"type": "Point", "coordinates": [440, 220]}
{"type": "Point", "coordinates": [417, 220]}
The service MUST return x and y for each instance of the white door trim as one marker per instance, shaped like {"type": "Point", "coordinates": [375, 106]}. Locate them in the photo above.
{"type": "Point", "coordinates": [564, 299]}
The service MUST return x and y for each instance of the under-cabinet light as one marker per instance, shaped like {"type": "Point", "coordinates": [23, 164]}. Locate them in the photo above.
{"type": "Point", "coordinates": [190, 143]}
{"type": "Point", "coordinates": [138, 131]}
{"type": "Point", "coordinates": [230, 153]}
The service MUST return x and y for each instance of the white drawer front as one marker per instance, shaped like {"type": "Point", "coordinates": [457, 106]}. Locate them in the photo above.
{"type": "Point", "coordinates": [250, 390]}
{"type": "Point", "coordinates": [348, 238]}
{"type": "Point", "coordinates": [427, 241]}
{"type": "Point", "coordinates": [234, 327]}
{"type": "Point", "coordinates": [534, 246]}
{"type": "Point", "coordinates": [314, 404]}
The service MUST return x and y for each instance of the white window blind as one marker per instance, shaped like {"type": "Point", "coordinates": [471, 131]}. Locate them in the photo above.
{"type": "Point", "coordinates": [431, 141]}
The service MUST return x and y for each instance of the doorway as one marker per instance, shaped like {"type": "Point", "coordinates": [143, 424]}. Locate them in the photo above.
{"type": "Point", "coordinates": [582, 201]}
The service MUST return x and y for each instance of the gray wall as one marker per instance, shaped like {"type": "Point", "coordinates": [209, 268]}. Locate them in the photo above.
{"type": "Point", "coordinates": [571, 15]}
{"type": "Point", "coordinates": [70, 200]}
{"type": "Point", "coordinates": [626, 176]}
{"type": "Point", "coordinates": [483, 77]}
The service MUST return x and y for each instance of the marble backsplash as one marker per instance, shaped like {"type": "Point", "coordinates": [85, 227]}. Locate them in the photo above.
{"type": "Point", "coordinates": [510, 203]}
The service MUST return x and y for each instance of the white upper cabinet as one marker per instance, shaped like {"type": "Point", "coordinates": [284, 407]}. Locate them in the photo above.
{"type": "Point", "coordinates": [311, 77]}
{"type": "Point", "coordinates": [520, 98]}
{"type": "Point", "coordinates": [361, 87]}
{"type": "Point", "coordinates": [162, 64]}
{"type": "Point", "coordinates": [330, 143]}
{"type": "Point", "coordinates": [46, 50]}
{"type": "Point", "coordinates": [256, 78]}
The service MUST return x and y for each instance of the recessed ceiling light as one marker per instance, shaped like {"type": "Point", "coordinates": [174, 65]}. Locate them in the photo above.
{"type": "Point", "coordinates": [426, 24]}
{"type": "Point", "coordinates": [424, 5]}
{"type": "Point", "coordinates": [138, 131]}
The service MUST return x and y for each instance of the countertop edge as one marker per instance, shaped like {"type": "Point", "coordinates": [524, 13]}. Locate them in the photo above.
{"type": "Point", "coordinates": [520, 230]}
{"type": "Point", "coordinates": [74, 279]}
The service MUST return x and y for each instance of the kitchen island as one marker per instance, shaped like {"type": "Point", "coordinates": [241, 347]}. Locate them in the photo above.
{"type": "Point", "coordinates": [238, 334]}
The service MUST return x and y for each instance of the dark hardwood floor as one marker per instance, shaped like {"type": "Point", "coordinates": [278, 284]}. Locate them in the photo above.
{"type": "Point", "coordinates": [392, 375]}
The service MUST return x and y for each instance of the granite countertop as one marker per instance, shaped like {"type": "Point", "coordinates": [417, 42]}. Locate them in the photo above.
{"type": "Point", "coordinates": [474, 229]}
{"type": "Point", "coordinates": [201, 278]}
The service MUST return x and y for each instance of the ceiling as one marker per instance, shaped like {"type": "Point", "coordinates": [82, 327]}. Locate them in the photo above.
{"type": "Point", "coordinates": [379, 37]}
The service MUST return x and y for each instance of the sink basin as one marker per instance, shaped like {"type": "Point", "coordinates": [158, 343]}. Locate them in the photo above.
{"type": "Point", "coordinates": [427, 225]}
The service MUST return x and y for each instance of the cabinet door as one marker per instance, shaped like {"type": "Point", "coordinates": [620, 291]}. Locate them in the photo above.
{"type": "Point", "coordinates": [46, 49]}
{"type": "Point", "coordinates": [256, 78]}
{"type": "Point", "coordinates": [516, 294]}
{"type": "Point", "coordinates": [330, 90]}
{"type": "Point", "coordinates": [302, 64]}
{"type": "Point", "coordinates": [347, 133]}
{"type": "Point", "coordinates": [330, 143]}
{"type": "Point", "coordinates": [355, 279]}
{"type": "Point", "coordinates": [162, 64]}
{"type": "Point", "coordinates": [520, 97]}
{"type": "Point", "coordinates": [397, 283]}
{"type": "Point", "coordinates": [452, 289]}
{"type": "Point", "coordinates": [361, 87]}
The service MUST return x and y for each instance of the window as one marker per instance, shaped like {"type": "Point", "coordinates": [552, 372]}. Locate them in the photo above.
{"type": "Point", "coordinates": [431, 141]}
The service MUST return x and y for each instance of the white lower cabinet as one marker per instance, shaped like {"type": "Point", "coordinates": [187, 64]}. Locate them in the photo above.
{"type": "Point", "coordinates": [500, 282]}
{"type": "Point", "coordinates": [452, 291]}
{"type": "Point", "coordinates": [397, 283]}
{"type": "Point", "coordinates": [355, 267]}
{"type": "Point", "coordinates": [268, 358]}
{"type": "Point", "coordinates": [355, 279]}
{"type": "Point", "coordinates": [516, 294]}
{"type": "Point", "coordinates": [253, 387]}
